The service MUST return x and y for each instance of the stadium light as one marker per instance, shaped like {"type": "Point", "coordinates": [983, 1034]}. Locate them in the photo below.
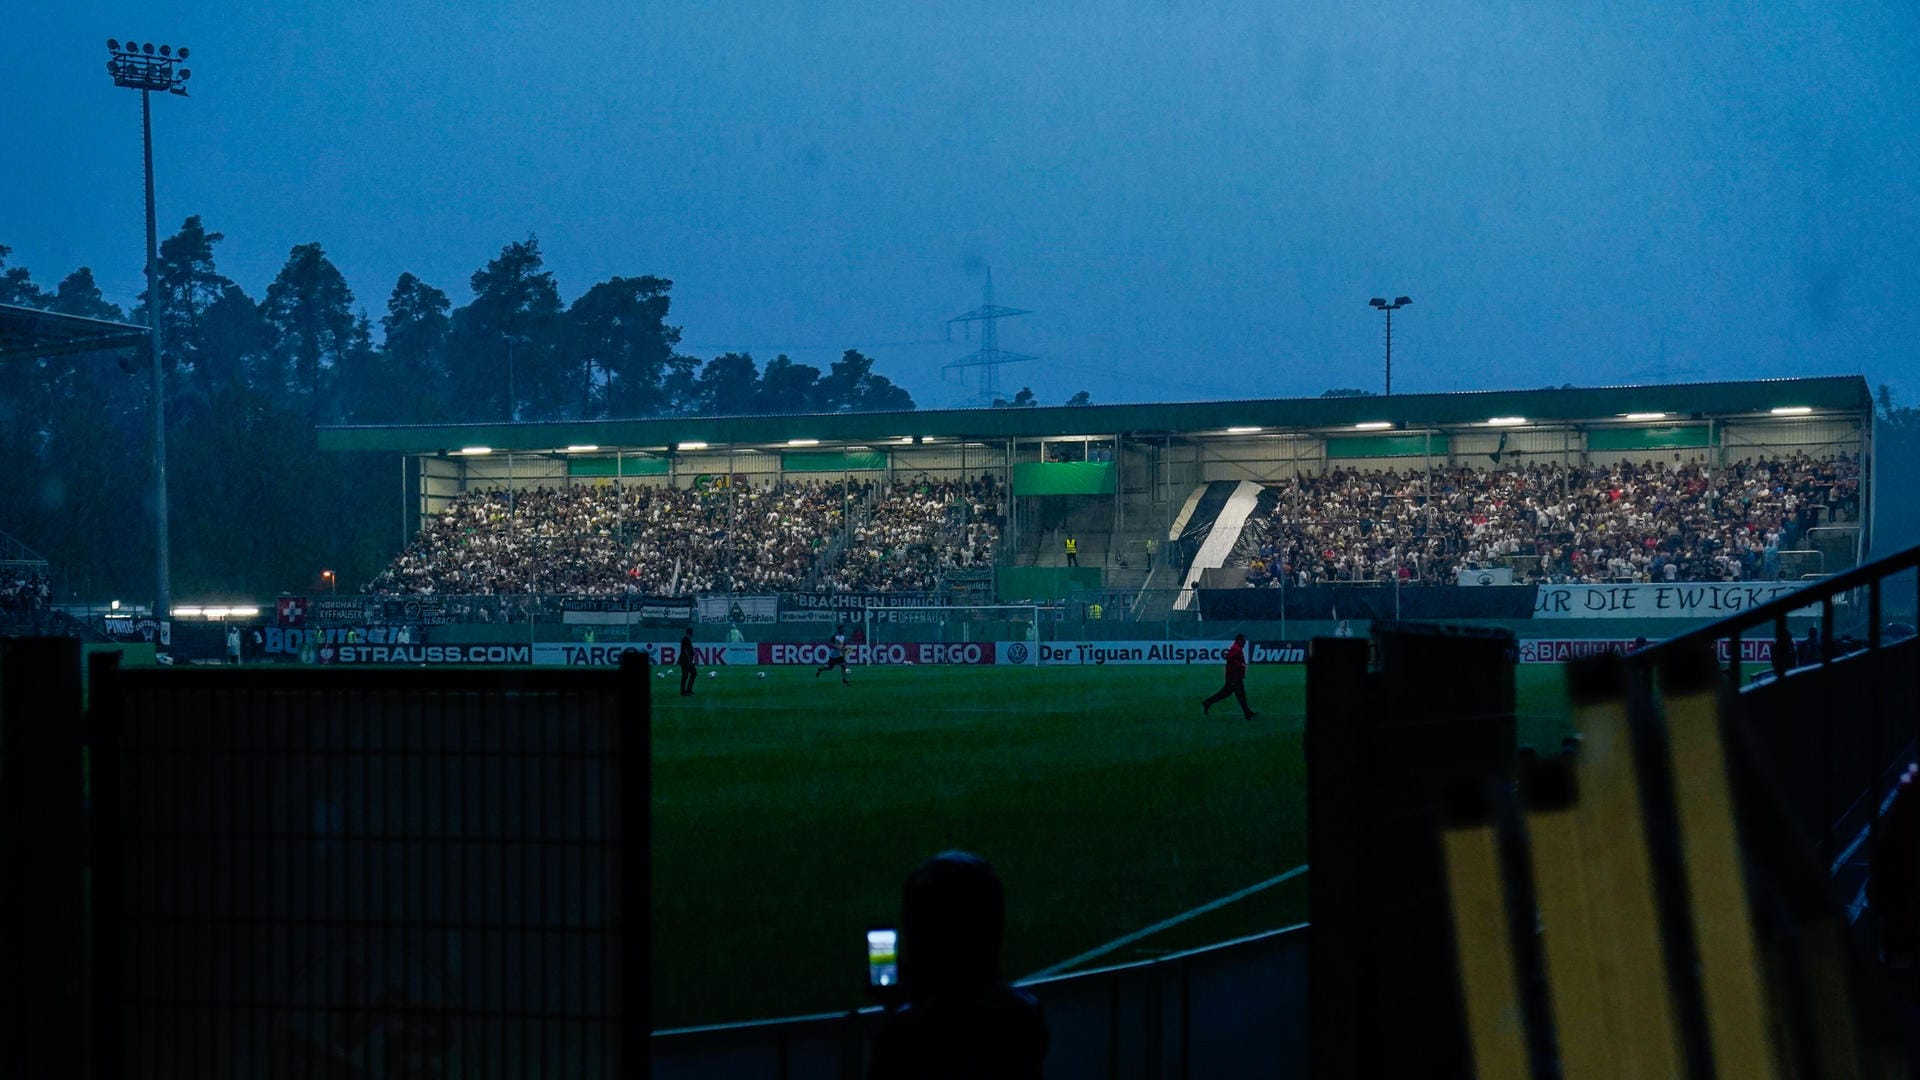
{"type": "Point", "coordinates": [1373, 425]}
{"type": "Point", "coordinates": [1645, 416]}
{"type": "Point", "coordinates": [581, 448]}
{"type": "Point", "coordinates": [475, 451]}
{"type": "Point", "coordinates": [692, 446]}
{"type": "Point", "coordinates": [803, 442]}
{"type": "Point", "coordinates": [1242, 430]}
{"type": "Point", "coordinates": [1506, 421]}
{"type": "Point", "coordinates": [1388, 309]}
{"type": "Point", "coordinates": [136, 68]}
{"type": "Point", "coordinates": [189, 612]}
{"type": "Point", "coordinates": [1792, 410]}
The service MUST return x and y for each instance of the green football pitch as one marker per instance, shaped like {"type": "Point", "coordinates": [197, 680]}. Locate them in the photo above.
{"type": "Point", "coordinates": [788, 810]}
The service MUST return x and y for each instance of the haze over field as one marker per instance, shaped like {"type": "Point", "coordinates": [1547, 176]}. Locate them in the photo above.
{"type": "Point", "coordinates": [1724, 192]}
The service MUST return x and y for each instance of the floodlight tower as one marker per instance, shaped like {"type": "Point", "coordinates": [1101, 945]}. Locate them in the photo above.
{"type": "Point", "coordinates": [989, 356]}
{"type": "Point", "coordinates": [1398, 303]}
{"type": "Point", "coordinates": [148, 68]}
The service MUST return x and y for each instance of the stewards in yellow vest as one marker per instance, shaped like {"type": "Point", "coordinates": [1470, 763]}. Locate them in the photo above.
{"type": "Point", "coordinates": [1073, 551]}
{"type": "Point", "coordinates": [1094, 612]}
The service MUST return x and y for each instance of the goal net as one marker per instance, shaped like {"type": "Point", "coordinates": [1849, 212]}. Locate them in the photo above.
{"type": "Point", "coordinates": [954, 634]}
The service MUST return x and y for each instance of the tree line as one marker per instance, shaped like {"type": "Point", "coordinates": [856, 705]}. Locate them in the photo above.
{"type": "Point", "coordinates": [254, 509]}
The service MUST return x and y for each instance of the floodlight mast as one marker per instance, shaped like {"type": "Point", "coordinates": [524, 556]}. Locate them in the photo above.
{"type": "Point", "coordinates": [135, 67]}
{"type": "Point", "coordinates": [1388, 309]}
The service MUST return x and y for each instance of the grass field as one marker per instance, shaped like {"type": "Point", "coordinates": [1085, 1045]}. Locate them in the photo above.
{"type": "Point", "coordinates": [788, 811]}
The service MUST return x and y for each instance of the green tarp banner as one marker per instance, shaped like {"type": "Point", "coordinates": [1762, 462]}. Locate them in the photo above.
{"type": "Point", "coordinates": [1063, 478]}
{"type": "Point", "coordinates": [1365, 446]}
{"type": "Point", "coordinates": [1651, 438]}
{"type": "Point", "coordinates": [1016, 584]}
{"type": "Point", "coordinates": [826, 461]}
{"type": "Point", "coordinates": [606, 466]}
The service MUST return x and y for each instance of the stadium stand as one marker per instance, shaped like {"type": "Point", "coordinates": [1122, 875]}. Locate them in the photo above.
{"type": "Point", "coordinates": [606, 540]}
{"type": "Point", "coordinates": [917, 533]}
{"type": "Point", "coordinates": [1627, 522]}
{"type": "Point", "coordinates": [23, 597]}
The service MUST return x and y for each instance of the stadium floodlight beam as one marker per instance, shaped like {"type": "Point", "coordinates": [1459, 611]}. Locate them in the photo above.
{"type": "Point", "coordinates": [1388, 309]}
{"type": "Point", "coordinates": [137, 68]}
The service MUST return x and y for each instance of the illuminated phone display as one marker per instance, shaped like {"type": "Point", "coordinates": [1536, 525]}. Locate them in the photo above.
{"type": "Point", "coordinates": [883, 959]}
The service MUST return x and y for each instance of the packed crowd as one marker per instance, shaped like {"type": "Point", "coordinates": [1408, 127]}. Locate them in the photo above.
{"type": "Point", "coordinates": [1626, 522]}
{"type": "Point", "coordinates": [24, 595]}
{"type": "Point", "coordinates": [727, 536]}
{"type": "Point", "coordinates": [918, 531]}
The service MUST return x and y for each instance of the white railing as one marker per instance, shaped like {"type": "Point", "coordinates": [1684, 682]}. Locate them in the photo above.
{"type": "Point", "coordinates": [1238, 1008]}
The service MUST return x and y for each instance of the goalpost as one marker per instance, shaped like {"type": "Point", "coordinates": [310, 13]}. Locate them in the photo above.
{"type": "Point", "coordinates": [1012, 631]}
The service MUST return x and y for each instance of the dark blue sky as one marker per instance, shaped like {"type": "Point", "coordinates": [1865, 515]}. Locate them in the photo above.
{"type": "Point", "coordinates": [1196, 200]}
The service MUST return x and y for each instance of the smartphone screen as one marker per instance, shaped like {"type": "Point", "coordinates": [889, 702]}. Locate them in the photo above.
{"type": "Point", "coordinates": [883, 960]}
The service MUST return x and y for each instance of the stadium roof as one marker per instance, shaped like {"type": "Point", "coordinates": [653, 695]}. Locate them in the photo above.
{"type": "Point", "coordinates": [1846, 394]}
{"type": "Point", "coordinates": [28, 333]}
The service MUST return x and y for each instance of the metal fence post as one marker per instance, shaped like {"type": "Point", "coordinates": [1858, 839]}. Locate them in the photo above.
{"type": "Point", "coordinates": [106, 854]}
{"type": "Point", "coordinates": [41, 1005]}
{"type": "Point", "coordinates": [636, 864]}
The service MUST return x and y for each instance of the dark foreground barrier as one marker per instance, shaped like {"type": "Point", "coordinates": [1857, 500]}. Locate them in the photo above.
{"type": "Point", "coordinates": [369, 873]}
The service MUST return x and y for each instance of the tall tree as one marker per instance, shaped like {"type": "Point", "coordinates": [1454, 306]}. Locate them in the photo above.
{"type": "Point", "coordinates": [787, 387]}
{"type": "Point", "coordinates": [515, 306]}
{"type": "Point", "coordinates": [729, 386]}
{"type": "Point", "coordinates": [238, 354]}
{"type": "Point", "coordinates": [311, 310]}
{"type": "Point", "coordinates": [16, 284]}
{"type": "Point", "coordinates": [851, 386]}
{"type": "Point", "coordinates": [414, 340]}
{"type": "Point", "coordinates": [190, 283]}
{"type": "Point", "coordinates": [365, 388]}
{"type": "Point", "coordinates": [617, 335]}
{"type": "Point", "coordinates": [77, 294]}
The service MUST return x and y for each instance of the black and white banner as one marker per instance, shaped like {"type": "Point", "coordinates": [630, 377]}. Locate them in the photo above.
{"type": "Point", "coordinates": [842, 607]}
{"type": "Point", "coordinates": [626, 610]}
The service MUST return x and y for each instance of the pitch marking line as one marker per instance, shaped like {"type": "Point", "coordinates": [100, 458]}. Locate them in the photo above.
{"type": "Point", "coordinates": [1122, 942]}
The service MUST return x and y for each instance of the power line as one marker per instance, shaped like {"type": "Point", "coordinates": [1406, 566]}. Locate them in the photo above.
{"type": "Point", "coordinates": [989, 356]}
{"type": "Point", "coordinates": [766, 347]}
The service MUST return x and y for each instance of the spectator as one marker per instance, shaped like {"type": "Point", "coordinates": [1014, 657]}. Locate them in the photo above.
{"type": "Point", "coordinates": [1626, 522]}
{"type": "Point", "coordinates": [961, 1019]}
{"type": "Point", "coordinates": [601, 540]}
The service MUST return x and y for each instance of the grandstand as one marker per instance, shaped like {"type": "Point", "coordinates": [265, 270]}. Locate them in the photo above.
{"type": "Point", "coordinates": [1710, 482]}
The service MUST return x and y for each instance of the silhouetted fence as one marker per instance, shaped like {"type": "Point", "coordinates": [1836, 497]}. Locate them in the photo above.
{"type": "Point", "coordinates": [362, 873]}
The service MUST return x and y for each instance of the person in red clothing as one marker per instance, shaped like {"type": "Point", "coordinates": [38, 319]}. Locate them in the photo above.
{"type": "Point", "coordinates": [1236, 679]}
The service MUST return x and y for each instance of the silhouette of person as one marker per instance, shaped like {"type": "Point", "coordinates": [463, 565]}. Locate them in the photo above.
{"type": "Point", "coordinates": [688, 670]}
{"type": "Point", "coordinates": [961, 1019]}
{"type": "Point", "coordinates": [1236, 684]}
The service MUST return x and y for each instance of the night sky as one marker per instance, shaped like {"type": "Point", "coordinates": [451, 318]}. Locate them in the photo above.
{"type": "Point", "coordinates": [1195, 200]}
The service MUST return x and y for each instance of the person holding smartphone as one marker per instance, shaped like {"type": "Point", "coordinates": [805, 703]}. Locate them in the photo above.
{"type": "Point", "coordinates": [961, 1018]}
